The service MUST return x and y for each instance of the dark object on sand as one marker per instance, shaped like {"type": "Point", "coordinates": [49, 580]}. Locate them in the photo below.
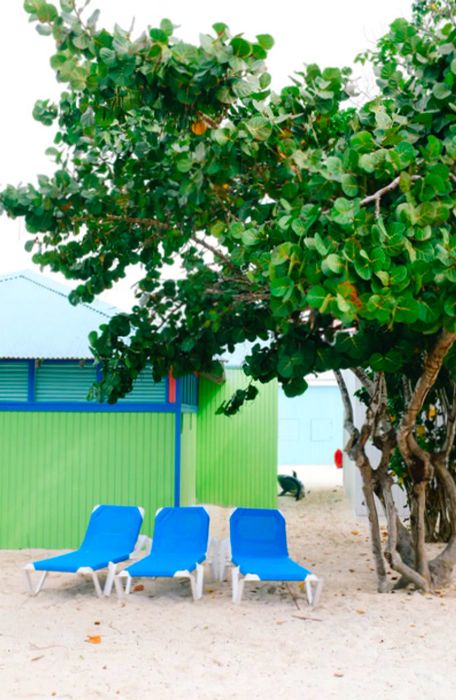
{"type": "Point", "coordinates": [292, 485]}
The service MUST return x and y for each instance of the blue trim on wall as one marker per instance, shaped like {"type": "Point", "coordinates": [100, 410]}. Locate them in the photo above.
{"type": "Point", "coordinates": [177, 446]}
{"type": "Point", "coordinates": [89, 407]}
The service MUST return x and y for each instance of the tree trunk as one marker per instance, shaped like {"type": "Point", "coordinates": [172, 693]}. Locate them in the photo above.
{"type": "Point", "coordinates": [355, 450]}
{"type": "Point", "coordinates": [417, 459]}
{"type": "Point", "coordinates": [442, 566]}
{"type": "Point", "coordinates": [374, 525]}
{"type": "Point", "coordinates": [419, 530]}
{"type": "Point", "coordinates": [392, 554]}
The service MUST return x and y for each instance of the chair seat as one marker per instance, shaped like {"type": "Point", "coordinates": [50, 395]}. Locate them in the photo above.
{"type": "Point", "coordinates": [272, 568]}
{"type": "Point", "coordinates": [72, 561]}
{"type": "Point", "coordinates": [165, 564]}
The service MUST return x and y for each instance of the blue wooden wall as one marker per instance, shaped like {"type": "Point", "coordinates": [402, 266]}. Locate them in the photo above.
{"type": "Point", "coordinates": [310, 426]}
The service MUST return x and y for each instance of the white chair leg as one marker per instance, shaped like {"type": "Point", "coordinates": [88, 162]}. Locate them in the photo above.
{"type": "Point", "coordinates": [314, 586]}
{"type": "Point", "coordinates": [199, 580]}
{"type": "Point", "coordinates": [120, 590]}
{"type": "Point", "coordinates": [112, 568]}
{"type": "Point", "coordinates": [96, 583]}
{"type": "Point", "coordinates": [237, 583]}
{"type": "Point", "coordinates": [193, 586]}
{"type": "Point", "coordinates": [34, 589]}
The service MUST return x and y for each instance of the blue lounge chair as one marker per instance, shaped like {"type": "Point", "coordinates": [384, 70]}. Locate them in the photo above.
{"type": "Point", "coordinates": [259, 552]}
{"type": "Point", "coordinates": [179, 547]}
{"type": "Point", "coordinates": [111, 537]}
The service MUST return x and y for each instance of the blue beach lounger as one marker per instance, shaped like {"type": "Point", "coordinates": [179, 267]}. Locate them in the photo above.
{"type": "Point", "coordinates": [111, 536]}
{"type": "Point", "coordinates": [259, 552]}
{"type": "Point", "coordinates": [179, 547]}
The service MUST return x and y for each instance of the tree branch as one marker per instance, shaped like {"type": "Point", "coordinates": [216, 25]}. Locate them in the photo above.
{"type": "Point", "coordinates": [407, 443]}
{"type": "Point", "coordinates": [349, 424]}
{"type": "Point", "coordinates": [367, 383]}
{"type": "Point", "coordinates": [215, 251]}
{"type": "Point", "coordinates": [377, 196]}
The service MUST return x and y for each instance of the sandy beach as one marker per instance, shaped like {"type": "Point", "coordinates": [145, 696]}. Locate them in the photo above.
{"type": "Point", "coordinates": [159, 644]}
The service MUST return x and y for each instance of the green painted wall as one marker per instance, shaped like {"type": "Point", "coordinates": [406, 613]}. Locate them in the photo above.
{"type": "Point", "coordinates": [54, 467]}
{"type": "Point", "coordinates": [237, 456]}
{"type": "Point", "coordinates": [188, 459]}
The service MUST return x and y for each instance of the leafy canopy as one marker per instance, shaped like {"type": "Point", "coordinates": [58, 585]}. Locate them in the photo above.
{"type": "Point", "coordinates": [327, 231]}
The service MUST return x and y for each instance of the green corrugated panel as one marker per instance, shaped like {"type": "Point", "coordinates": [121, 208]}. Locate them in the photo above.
{"type": "Point", "coordinates": [64, 381]}
{"type": "Point", "coordinates": [237, 456]}
{"type": "Point", "coordinates": [13, 381]}
{"type": "Point", "coordinates": [188, 459]}
{"type": "Point", "coordinates": [55, 467]}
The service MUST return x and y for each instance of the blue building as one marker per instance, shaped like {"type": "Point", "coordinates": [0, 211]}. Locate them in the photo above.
{"type": "Point", "coordinates": [311, 425]}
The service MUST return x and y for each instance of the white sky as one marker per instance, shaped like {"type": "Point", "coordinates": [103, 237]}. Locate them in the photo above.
{"type": "Point", "coordinates": [328, 32]}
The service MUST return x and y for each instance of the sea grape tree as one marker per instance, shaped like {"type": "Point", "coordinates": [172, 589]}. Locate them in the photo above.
{"type": "Point", "coordinates": [325, 231]}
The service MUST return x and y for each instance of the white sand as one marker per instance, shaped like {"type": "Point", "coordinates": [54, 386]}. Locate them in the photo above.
{"type": "Point", "coordinates": [356, 644]}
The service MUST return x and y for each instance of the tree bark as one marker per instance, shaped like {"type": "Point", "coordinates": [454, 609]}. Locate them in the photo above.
{"type": "Point", "coordinates": [417, 459]}
{"type": "Point", "coordinates": [392, 554]}
{"type": "Point", "coordinates": [355, 449]}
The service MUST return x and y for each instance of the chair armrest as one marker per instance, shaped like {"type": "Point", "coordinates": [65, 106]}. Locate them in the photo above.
{"type": "Point", "coordinates": [142, 548]}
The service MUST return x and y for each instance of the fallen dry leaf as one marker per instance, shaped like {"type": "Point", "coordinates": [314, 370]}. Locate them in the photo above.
{"type": "Point", "coordinates": [93, 639]}
{"type": "Point", "coordinates": [138, 587]}
{"type": "Point", "coordinates": [355, 532]}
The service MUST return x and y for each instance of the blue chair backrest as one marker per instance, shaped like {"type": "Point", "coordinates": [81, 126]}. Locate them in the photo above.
{"type": "Point", "coordinates": [258, 532]}
{"type": "Point", "coordinates": [183, 528]}
{"type": "Point", "coordinates": [113, 528]}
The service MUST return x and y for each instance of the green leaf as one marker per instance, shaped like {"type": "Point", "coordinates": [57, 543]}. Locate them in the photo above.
{"type": "Point", "coordinates": [249, 236]}
{"type": "Point", "coordinates": [349, 185]}
{"type": "Point", "coordinates": [378, 308]}
{"type": "Point", "coordinates": [383, 277]}
{"type": "Point", "coordinates": [184, 164]}
{"type": "Point", "coordinates": [362, 142]}
{"type": "Point", "coordinates": [281, 286]}
{"type": "Point", "coordinates": [406, 153]}
{"type": "Point", "coordinates": [441, 91]}
{"type": "Point", "coordinates": [398, 275]}
{"type": "Point", "coordinates": [108, 56]}
{"type": "Point", "coordinates": [220, 28]}
{"type": "Point", "coordinates": [332, 263]}
{"type": "Point", "coordinates": [407, 309]}
{"type": "Point", "coordinates": [298, 227]}
{"type": "Point", "coordinates": [433, 149]}
{"type": "Point", "coordinates": [363, 268]}
{"type": "Point", "coordinates": [343, 212]}
{"type": "Point", "coordinates": [266, 41]}
{"type": "Point", "coordinates": [159, 35]}
{"type": "Point", "coordinates": [316, 296]}
{"type": "Point", "coordinates": [167, 26]}
{"type": "Point", "coordinates": [44, 11]}
{"type": "Point", "coordinates": [259, 127]}
{"type": "Point", "coordinates": [241, 47]}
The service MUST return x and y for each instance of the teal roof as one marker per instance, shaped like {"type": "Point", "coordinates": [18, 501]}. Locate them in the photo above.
{"type": "Point", "coordinates": [37, 320]}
